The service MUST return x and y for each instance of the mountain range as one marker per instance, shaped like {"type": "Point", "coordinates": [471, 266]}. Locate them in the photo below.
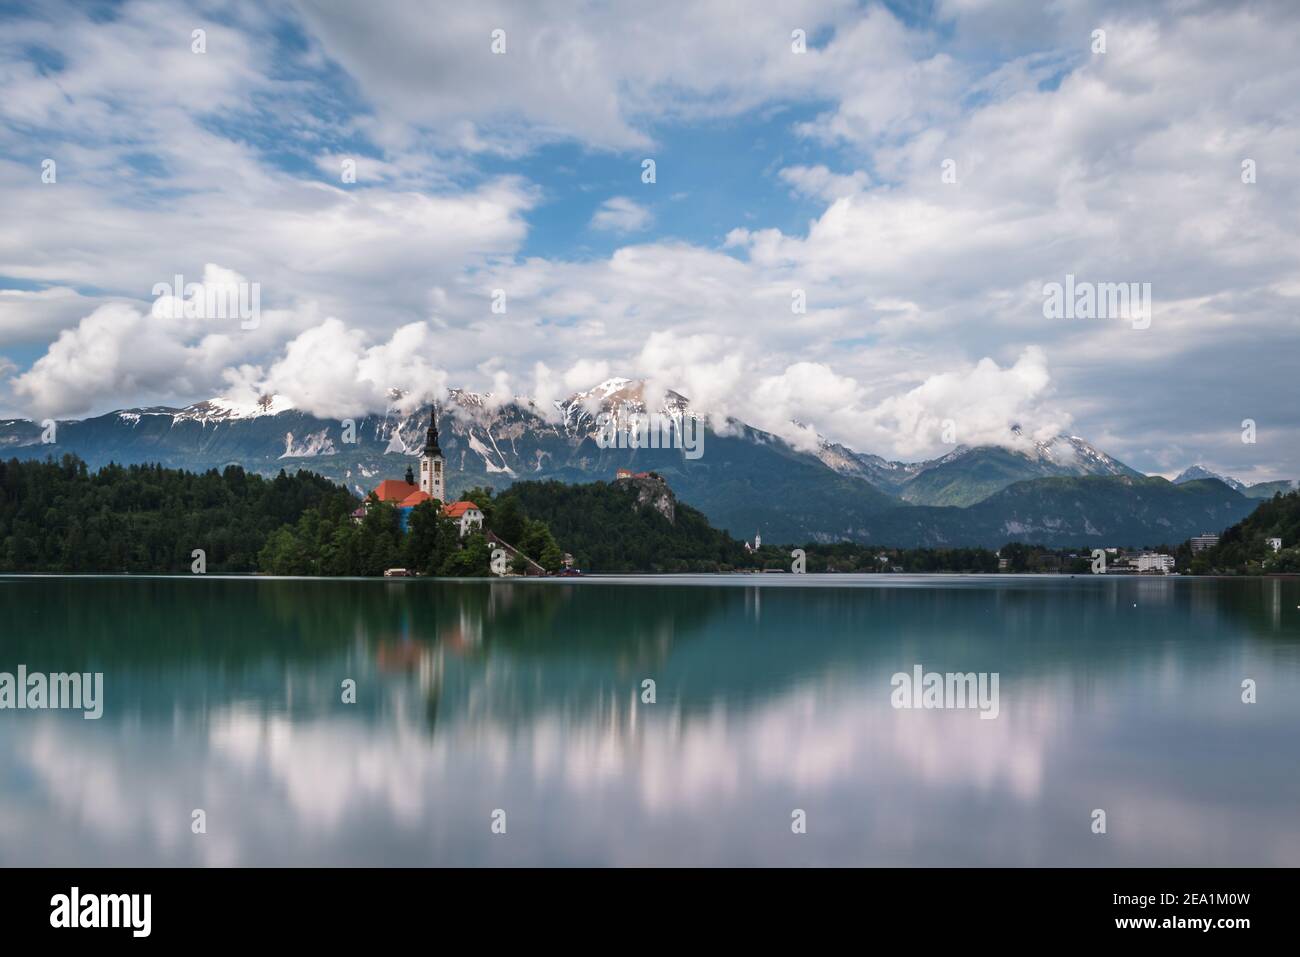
{"type": "Point", "coordinates": [1258, 490]}
{"type": "Point", "coordinates": [1063, 492]}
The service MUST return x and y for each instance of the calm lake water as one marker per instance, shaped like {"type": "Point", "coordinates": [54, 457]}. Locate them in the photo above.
{"type": "Point", "coordinates": [772, 694]}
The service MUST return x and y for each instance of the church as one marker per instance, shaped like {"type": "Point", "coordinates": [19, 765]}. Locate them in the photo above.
{"type": "Point", "coordinates": [432, 485]}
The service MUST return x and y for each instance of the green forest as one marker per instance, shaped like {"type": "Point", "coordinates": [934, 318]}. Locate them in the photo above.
{"type": "Point", "coordinates": [60, 517]}
{"type": "Point", "coordinates": [1243, 549]}
{"type": "Point", "coordinates": [601, 525]}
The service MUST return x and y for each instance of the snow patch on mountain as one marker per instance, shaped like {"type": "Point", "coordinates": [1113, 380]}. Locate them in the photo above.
{"type": "Point", "coordinates": [314, 443]}
{"type": "Point", "coordinates": [477, 445]}
{"type": "Point", "coordinates": [396, 444]}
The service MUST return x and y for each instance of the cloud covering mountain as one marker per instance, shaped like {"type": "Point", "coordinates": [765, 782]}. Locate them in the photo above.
{"type": "Point", "coordinates": [778, 174]}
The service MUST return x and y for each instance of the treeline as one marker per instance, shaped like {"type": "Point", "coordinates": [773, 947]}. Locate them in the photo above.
{"type": "Point", "coordinates": [851, 557]}
{"type": "Point", "coordinates": [607, 529]}
{"type": "Point", "coordinates": [60, 517]}
{"type": "Point", "coordinates": [1243, 549]}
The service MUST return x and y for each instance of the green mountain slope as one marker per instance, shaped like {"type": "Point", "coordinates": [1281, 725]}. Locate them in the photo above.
{"type": "Point", "coordinates": [971, 475]}
{"type": "Point", "coordinates": [1066, 512]}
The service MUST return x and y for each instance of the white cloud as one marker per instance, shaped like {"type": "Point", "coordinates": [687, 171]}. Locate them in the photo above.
{"type": "Point", "coordinates": [36, 316]}
{"type": "Point", "coordinates": [621, 215]}
{"type": "Point", "coordinates": [1122, 167]}
{"type": "Point", "coordinates": [115, 351]}
{"type": "Point", "coordinates": [981, 404]}
{"type": "Point", "coordinates": [820, 182]}
{"type": "Point", "coordinates": [329, 371]}
{"type": "Point", "coordinates": [591, 71]}
{"type": "Point", "coordinates": [138, 355]}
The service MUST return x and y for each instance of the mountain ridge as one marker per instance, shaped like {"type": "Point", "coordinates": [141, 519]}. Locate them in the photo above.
{"type": "Point", "coordinates": [748, 480]}
{"type": "Point", "coordinates": [1260, 490]}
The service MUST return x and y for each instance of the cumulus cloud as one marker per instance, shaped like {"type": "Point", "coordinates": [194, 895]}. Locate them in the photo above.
{"type": "Point", "coordinates": [1122, 167]}
{"type": "Point", "coordinates": [97, 359]}
{"type": "Point", "coordinates": [804, 402]}
{"type": "Point", "coordinates": [621, 215]}
{"type": "Point", "coordinates": [820, 182]}
{"type": "Point", "coordinates": [979, 406]}
{"type": "Point", "coordinates": [329, 371]}
{"type": "Point", "coordinates": [176, 348]}
{"type": "Point", "coordinates": [141, 355]}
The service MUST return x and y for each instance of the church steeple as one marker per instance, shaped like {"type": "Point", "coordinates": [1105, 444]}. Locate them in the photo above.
{"type": "Point", "coordinates": [432, 480]}
{"type": "Point", "coordinates": [431, 437]}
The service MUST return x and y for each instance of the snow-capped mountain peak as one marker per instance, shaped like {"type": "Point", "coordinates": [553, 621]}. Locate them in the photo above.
{"type": "Point", "coordinates": [1195, 472]}
{"type": "Point", "coordinates": [221, 409]}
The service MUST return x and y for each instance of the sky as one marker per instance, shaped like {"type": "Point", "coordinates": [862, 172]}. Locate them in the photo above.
{"type": "Point", "coordinates": [856, 213]}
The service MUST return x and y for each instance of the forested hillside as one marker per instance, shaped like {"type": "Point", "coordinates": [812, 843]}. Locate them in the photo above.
{"type": "Point", "coordinates": [60, 517]}
{"type": "Point", "coordinates": [609, 528]}
{"type": "Point", "coordinates": [1244, 549]}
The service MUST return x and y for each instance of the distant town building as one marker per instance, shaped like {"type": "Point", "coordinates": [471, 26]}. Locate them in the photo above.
{"type": "Point", "coordinates": [1047, 563]}
{"type": "Point", "coordinates": [1275, 544]}
{"type": "Point", "coordinates": [1203, 541]}
{"type": "Point", "coordinates": [1155, 563]}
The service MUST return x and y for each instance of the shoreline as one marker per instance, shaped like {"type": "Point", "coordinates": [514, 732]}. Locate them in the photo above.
{"type": "Point", "coordinates": [638, 576]}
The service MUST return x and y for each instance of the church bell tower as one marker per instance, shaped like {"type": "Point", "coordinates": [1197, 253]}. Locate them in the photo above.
{"type": "Point", "coordinates": [432, 480]}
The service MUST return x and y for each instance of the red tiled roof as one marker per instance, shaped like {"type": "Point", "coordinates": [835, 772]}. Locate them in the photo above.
{"type": "Point", "coordinates": [415, 498]}
{"type": "Point", "coordinates": [394, 490]}
{"type": "Point", "coordinates": [457, 509]}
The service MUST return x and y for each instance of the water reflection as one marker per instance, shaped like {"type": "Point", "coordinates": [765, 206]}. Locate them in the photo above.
{"type": "Point", "coordinates": [225, 695]}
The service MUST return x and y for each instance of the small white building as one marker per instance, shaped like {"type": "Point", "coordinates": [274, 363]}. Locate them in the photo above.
{"type": "Point", "coordinates": [1154, 562]}
{"type": "Point", "coordinates": [1275, 544]}
{"type": "Point", "coordinates": [466, 514]}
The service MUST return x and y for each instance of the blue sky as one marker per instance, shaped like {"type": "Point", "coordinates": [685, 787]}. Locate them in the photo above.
{"type": "Point", "coordinates": [919, 173]}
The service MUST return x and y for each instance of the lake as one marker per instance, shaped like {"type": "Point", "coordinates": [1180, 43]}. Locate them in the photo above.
{"type": "Point", "coordinates": [520, 706]}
